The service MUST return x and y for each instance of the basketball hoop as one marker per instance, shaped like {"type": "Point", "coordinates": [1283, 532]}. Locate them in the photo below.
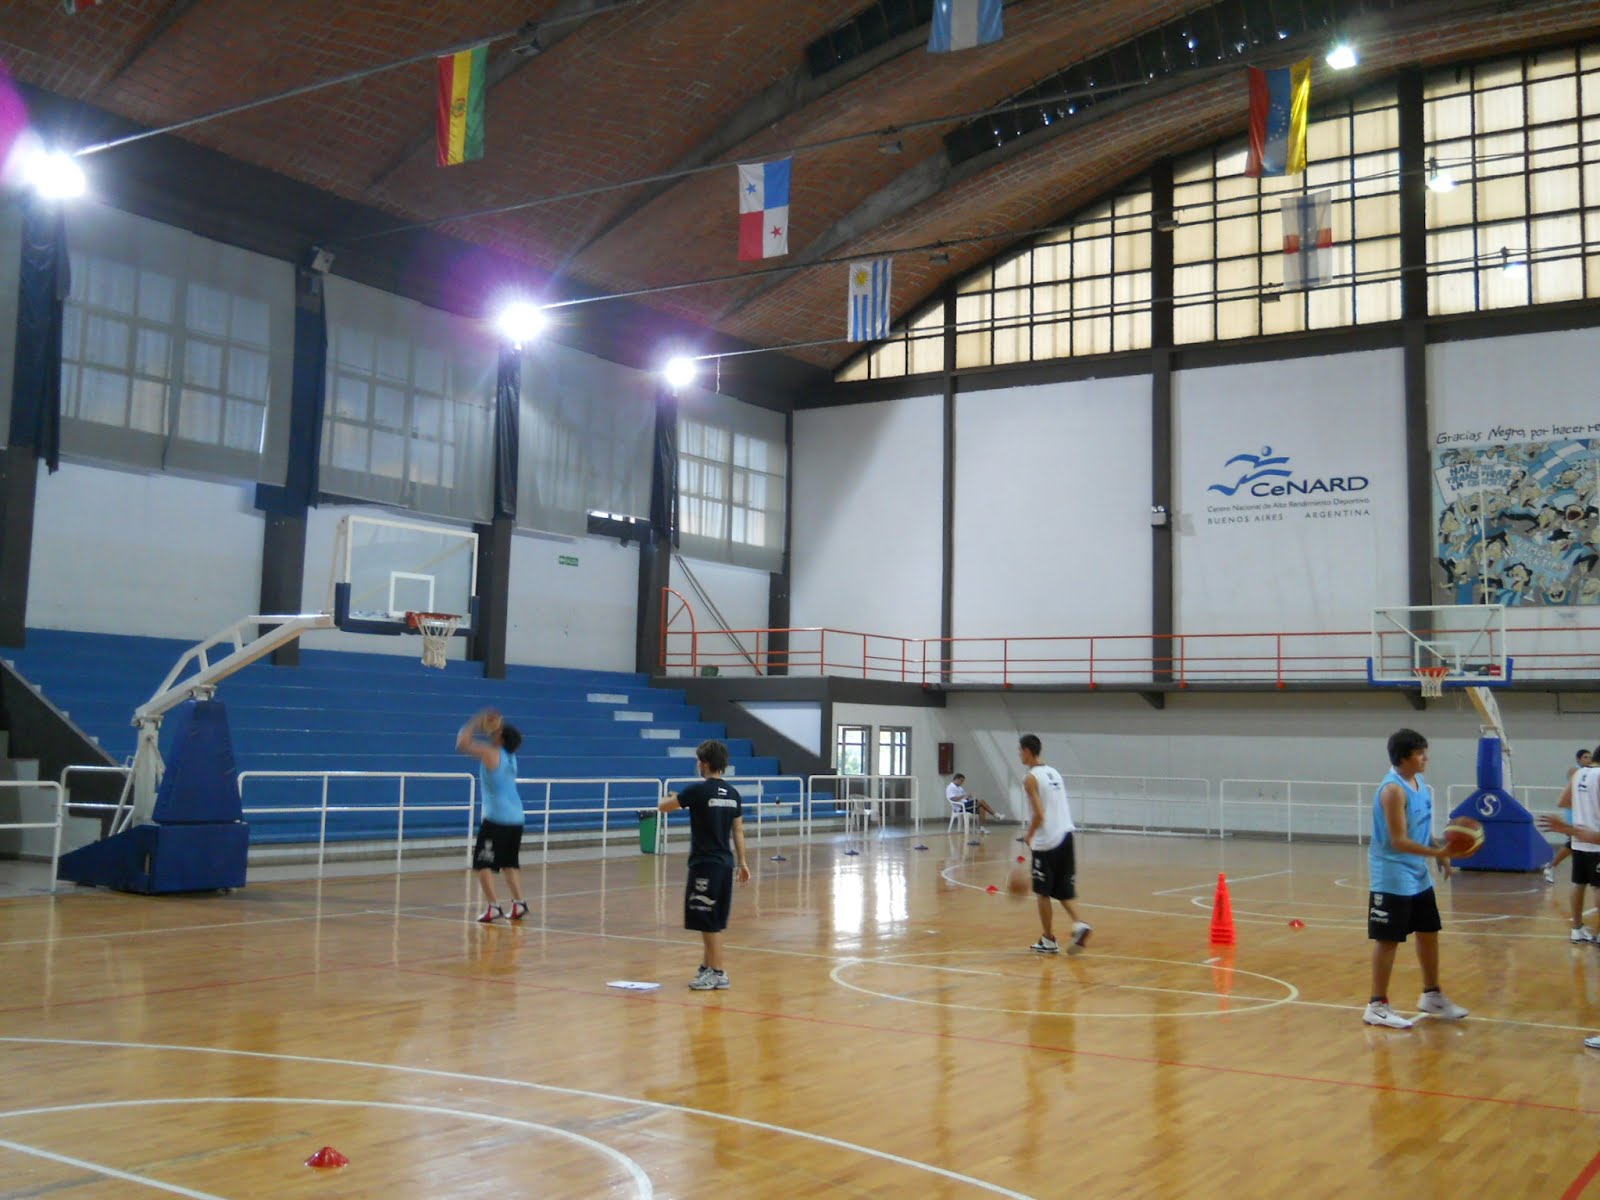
{"type": "Point", "coordinates": [1431, 680]}
{"type": "Point", "coordinates": [436, 629]}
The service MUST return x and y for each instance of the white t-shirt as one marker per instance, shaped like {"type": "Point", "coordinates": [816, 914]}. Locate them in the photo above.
{"type": "Point", "coordinates": [1586, 806]}
{"type": "Point", "coordinates": [1057, 812]}
{"type": "Point", "coordinates": [955, 793]}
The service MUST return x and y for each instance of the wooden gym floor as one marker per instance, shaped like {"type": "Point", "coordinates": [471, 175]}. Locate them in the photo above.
{"type": "Point", "coordinates": [887, 1034]}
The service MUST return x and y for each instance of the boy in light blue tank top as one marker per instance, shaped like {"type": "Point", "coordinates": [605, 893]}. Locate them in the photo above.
{"type": "Point", "coordinates": [498, 848]}
{"type": "Point", "coordinates": [1402, 900]}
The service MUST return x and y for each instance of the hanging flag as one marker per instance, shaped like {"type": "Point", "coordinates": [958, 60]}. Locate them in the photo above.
{"type": "Point", "coordinates": [460, 124]}
{"type": "Point", "coordinates": [764, 209]}
{"type": "Point", "coordinates": [870, 284]}
{"type": "Point", "coordinates": [74, 7]}
{"type": "Point", "coordinates": [1279, 103]}
{"type": "Point", "coordinates": [1307, 241]}
{"type": "Point", "coordinates": [963, 24]}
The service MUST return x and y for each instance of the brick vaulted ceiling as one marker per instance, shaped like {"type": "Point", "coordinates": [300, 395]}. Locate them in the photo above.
{"type": "Point", "coordinates": [668, 83]}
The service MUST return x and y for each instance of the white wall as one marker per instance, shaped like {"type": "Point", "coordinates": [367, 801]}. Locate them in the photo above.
{"type": "Point", "coordinates": [155, 555]}
{"type": "Point", "coordinates": [868, 531]}
{"type": "Point", "coordinates": [741, 594]}
{"type": "Point", "coordinates": [928, 729]}
{"type": "Point", "coordinates": [573, 616]}
{"type": "Point", "coordinates": [1052, 514]}
{"type": "Point", "coordinates": [798, 720]}
{"type": "Point", "coordinates": [1322, 560]}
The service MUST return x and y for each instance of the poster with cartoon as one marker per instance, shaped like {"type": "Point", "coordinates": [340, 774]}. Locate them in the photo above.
{"type": "Point", "coordinates": [1517, 523]}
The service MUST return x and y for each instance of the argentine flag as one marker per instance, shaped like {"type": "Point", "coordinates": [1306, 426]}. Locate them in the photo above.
{"type": "Point", "coordinates": [870, 284]}
{"type": "Point", "coordinates": [963, 24]}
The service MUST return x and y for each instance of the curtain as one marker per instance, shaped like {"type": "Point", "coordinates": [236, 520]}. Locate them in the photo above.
{"type": "Point", "coordinates": [588, 431]}
{"type": "Point", "coordinates": [10, 259]}
{"type": "Point", "coordinates": [409, 418]}
{"type": "Point", "coordinates": [732, 464]}
{"type": "Point", "coordinates": [177, 351]}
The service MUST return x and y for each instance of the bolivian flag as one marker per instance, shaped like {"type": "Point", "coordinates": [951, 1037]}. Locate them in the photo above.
{"type": "Point", "coordinates": [461, 79]}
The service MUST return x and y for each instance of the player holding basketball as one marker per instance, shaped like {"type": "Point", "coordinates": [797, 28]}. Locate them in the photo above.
{"type": "Point", "coordinates": [1403, 902]}
{"type": "Point", "coordinates": [499, 846]}
{"type": "Point", "coordinates": [1049, 836]}
{"type": "Point", "coordinates": [715, 819]}
{"type": "Point", "coordinates": [1582, 796]}
{"type": "Point", "coordinates": [1584, 759]}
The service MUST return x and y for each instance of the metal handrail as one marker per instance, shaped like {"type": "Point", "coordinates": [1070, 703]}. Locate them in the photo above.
{"type": "Point", "coordinates": [60, 793]}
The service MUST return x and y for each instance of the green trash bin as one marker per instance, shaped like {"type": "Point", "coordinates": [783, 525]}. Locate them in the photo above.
{"type": "Point", "coordinates": [648, 820]}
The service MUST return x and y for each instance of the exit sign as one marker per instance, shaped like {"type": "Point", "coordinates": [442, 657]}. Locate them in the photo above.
{"type": "Point", "coordinates": [568, 560]}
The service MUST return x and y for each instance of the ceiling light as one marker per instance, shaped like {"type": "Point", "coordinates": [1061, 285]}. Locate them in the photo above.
{"type": "Point", "coordinates": [54, 174]}
{"type": "Point", "coordinates": [1439, 181]}
{"type": "Point", "coordinates": [1342, 57]}
{"type": "Point", "coordinates": [939, 258]}
{"type": "Point", "coordinates": [896, 146]}
{"type": "Point", "coordinates": [1515, 268]}
{"type": "Point", "coordinates": [520, 322]}
{"type": "Point", "coordinates": [679, 371]}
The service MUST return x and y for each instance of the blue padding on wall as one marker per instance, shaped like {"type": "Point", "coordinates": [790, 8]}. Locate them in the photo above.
{"type": "Point", "coordinates": [201, 785]}
{"type": "Point", "coordinates": [1511, 842]}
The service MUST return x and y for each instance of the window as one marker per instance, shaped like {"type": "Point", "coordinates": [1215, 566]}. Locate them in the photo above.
{"type": "Point", "coordinates": [409, 419]}
{"type": "Point", "coordinates": [850, 750]}
{"type": "Point", "coordinates": [732, 466]}
{"type": "Point", "coordinates": [1520, 139]}
{"type": "Point", "coordinates": [894, 750]}
{"type": "Point", "coordinates": [1228, 245]}
{"type": "Point", "coordinates": [176, 351]}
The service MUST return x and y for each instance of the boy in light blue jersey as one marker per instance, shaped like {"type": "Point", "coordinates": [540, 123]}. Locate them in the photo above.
{"type": "Point", "coordinates": [1402, 898]}
{"type": "Point", "coordinates": [499, 846]}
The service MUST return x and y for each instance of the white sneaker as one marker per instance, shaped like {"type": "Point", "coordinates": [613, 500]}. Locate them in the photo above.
{"type": "Point", "coordinates": [1437, 1004]}
{"type": "Point", "coordinates": [1581, 934]}
{"type": "Point", "coordinates": [1592, 1042]}
{"type": "Point", "coordinates": [1045, 946]}
{"type": "Point", "coordinates": [1549, 874]}
{"type": "Point", "coordinates": [1381, 1014]}
{"type": "Point", "coordinates": [1080, 936]}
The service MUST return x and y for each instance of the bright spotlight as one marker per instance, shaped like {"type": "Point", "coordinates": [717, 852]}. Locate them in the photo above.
{"type": "Point", "coordinates": [54, 174]}
{"type": "Point", "coordinates": [1440, 181]}
{"type": "Point", "coordinates": [679, 371]}
{"type": "Point", "coordinates": [520, 322]}
{"type": "Point", "coordinates": [1342, 57]}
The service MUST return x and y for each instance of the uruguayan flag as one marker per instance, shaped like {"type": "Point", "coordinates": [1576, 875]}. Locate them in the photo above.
{"type": "Point", "coordinates": [1559, 458]}
{"type": "Point", "coordinates": [963, 24]}
{"type": "Point", "coordinates": [870, 283]}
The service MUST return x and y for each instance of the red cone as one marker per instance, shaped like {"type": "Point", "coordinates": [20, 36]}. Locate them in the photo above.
{"type": "Point", "coordinates": [327, 1157]}
{"type": "Point", "coordinates": [1222, 915]}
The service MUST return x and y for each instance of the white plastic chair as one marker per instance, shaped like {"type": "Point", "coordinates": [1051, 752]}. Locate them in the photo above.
{"type": "Point", "coordinates": [959, 812]}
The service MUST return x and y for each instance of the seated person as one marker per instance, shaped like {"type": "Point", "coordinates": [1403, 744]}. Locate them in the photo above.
{"type": "Point", "coordinates": [962, 801]}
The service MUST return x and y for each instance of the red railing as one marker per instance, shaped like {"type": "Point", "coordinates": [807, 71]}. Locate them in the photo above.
{"type": "Point", "coordinates": [1277, 658]}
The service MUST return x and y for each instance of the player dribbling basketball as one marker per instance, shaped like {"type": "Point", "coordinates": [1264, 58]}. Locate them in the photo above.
{"type": "Point", "coordinates": [1049, 836]}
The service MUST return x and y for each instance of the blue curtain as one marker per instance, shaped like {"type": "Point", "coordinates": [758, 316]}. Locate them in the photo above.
{"type": "Point", "coordinates": [44, 280]}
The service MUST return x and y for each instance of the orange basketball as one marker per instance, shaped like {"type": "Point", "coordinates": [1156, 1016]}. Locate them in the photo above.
{"type": "Point", "coordinates": [1463, 837]}
{"type": "Point", "coordinates": [1020, 881]}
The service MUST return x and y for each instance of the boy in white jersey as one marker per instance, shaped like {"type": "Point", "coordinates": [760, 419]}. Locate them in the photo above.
{"type": "Point", "coordinates": [1582, 795]}
{"type": "Point", "coordinates": [1049, 836]}
{"type": "Point", "coordinates": [1402, 900]}
{"type": "Point", "coordinates": [1585, 759]}
{"type": "Point", "coordinates": [498, 848]}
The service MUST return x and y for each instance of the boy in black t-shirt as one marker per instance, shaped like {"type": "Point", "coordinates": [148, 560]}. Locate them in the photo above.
{"type": "Point", "coordinates": [715, 819]}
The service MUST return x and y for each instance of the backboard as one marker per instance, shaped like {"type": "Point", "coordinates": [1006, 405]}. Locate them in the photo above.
{"type": "Point", "coordinates": [1465, 641]}
{"type": "Point", "coordinates": [385, 568]}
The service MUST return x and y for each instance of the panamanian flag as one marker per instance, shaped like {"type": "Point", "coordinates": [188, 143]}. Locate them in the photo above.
{"type": "Point", "coordinates": [764, 209]}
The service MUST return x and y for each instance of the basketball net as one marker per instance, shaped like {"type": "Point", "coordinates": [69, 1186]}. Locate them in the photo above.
{"type": "Point", "coordinates": [1431, 681]}
{"type": "Point", "coordinates": [436, 629]}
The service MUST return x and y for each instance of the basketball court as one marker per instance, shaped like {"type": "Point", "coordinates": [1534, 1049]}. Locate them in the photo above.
{"type": "Point", "coordinates": [887, 1032]}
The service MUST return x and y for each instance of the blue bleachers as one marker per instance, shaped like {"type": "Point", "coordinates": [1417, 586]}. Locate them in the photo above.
{"type": "Point", "coordinates": [379, 712]}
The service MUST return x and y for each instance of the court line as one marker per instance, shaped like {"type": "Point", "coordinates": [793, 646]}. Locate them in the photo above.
{"type": "Point", "coordinates": [123, 933]}
{"type": "Point", "coordinates": [84, 1164]}
{"type": "Point", "coordinates": [641, 1181]}
{"type": "Point", "coordinates": [1584, 1179]}
{"type": "Point", "coordinates": [461, 1076]}
{"type": "Point", "coordinates": [1231, 882]}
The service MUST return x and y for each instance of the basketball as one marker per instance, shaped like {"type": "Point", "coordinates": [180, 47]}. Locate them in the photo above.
{"type": "Point", "coordinates": [1020, 881]}
{"type": "Point", "coordinates": [1463, 837]}
{"type": "Point", "coordinates": [491, 722]}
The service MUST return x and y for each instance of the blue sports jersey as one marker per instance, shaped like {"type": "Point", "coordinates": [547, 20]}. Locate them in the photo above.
{"type": "Point", "coordinates": [501, 802]}
{"type": "Point", "coordinates": [1395, 873]}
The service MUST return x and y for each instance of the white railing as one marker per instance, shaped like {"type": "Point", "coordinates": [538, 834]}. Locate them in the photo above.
{"type": "Point", "coordinates": [865, 798]}
{"type": "Point", "coordinates": [45, 785]}
{"type": "Point", "coordinates": [605, 810]}
{"type": "Point", "coordinates": [753, 791]}
{"type": "Point", "coordinates": [1149, 803]}
{"type": "Point", "coordinates": [400, 808]}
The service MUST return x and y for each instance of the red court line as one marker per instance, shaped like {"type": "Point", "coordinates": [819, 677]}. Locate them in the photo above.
{"type": "Point", "coordinates": [655, 998]}
{"type": "Point", "coordinates": [1584, 1179]}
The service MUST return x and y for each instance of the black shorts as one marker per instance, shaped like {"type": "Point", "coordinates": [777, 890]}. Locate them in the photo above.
{"type": "Point", "coordinates": [1585, 868]}
{"type": "Point", "coordinates": [1392, 918]}
{"type": "Point", "coordinates": [1055, 872]}
{"type": "Point", "coordinates": [498, 848]}
{"type": "Point", "coordinates": [708, 896]}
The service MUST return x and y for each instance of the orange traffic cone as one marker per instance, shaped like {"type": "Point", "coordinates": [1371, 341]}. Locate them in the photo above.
{"type": "Point", "coordinates": [327, 1157]}
{"type": "Point", "coordinates": [1222, 914]}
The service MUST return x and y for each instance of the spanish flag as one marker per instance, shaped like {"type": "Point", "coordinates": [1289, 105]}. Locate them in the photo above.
{"type": "Point", "coordinates": [461, 79]}
{"type": "Point", "coordinates": [1280, 102]}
